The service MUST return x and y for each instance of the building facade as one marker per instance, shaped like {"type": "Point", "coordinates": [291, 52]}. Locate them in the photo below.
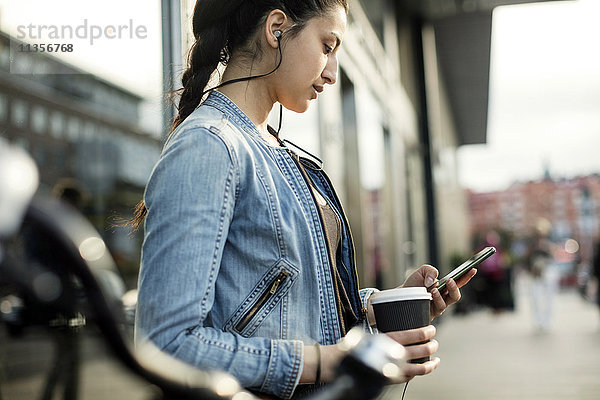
{"type": "Point", "coordinates": [570, 208]}
{"type": "Point", "coordinates": [84, 135]}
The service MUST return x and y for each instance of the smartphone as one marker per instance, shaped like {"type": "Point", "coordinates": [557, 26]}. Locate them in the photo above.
{"type": "Point", "coordinates": [465, 267]}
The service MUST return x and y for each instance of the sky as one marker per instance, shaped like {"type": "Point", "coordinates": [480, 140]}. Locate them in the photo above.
{"type": "Point", "coordinates": [544, 100]}
{"type": "Point", "coordinates": [544, 103]}
{"type": "Point", "coordinates": [133, 62]}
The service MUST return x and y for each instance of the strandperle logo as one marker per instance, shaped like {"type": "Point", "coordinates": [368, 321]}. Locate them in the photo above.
{"type": "Point", "coordinates": [85, 30]}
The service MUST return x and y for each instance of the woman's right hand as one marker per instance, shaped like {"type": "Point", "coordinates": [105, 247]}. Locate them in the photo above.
{"type": "Point", "coordinates": [332, 355]}
{"type": "Point", "coordinates": [408, 339]}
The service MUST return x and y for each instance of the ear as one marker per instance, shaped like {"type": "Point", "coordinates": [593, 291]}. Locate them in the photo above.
{"type": "Point", "coordinates": [277, 20]}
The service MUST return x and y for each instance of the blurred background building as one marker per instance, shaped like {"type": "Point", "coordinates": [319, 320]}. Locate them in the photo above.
{"type": "Point", "coordinates": [569, 209]}
{"type": "Point", "coordinates": [570, 205]}
{"type": "Point", "coordinates": [84, 135]}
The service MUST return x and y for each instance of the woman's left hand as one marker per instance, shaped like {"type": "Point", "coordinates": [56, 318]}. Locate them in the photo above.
{"type": "Point", "coordinates": [426, 276]}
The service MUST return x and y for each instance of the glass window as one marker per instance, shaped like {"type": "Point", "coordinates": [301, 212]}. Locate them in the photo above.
{"type": "Point", "coordinates": [103, 133]}
{"type": "Point", "coordinates": [39, 119]}
{"type": "Point", "coordinates": [5, 57]}
{"type": "Point", "coordinates": [88, 130]}
{"type": "Point", "coordinates": [57, 124]}
{"type": "Point", "coordinates": [22, 142]}
{"type": "Point", "coordinates": [73, 129]}
{"type": "Point", "coordinates": [60, 158]}
{"type": "Point", "coordinates": [3, 104]}
{"type": "Point", "coordinates": [370, 141]}
{"type": "Point", "coordinates": [136, 159]}
{"type": "Point", "coordinates": [20, 110]}
{"type": "Point", "coordinates": [39, 154]}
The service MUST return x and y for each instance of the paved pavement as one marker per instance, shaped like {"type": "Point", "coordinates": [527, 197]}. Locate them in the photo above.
{"type": "Point", "coordinates": [484, 357]}
{"type": "Point", "coordinates": [26, 363]}
{"type": "Point", "coordinates": [502, 357]}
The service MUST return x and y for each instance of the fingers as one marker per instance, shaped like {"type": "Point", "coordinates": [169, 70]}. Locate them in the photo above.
{"type": "Point", "coordinates": [416, 351]}
{"type": "Point", "coordinates": [418, 343]}
{"type": "Point", "coordinates": [440, 302]}
{"type": "Point", "coordinates": [424, 276]}
{"type": "Point", "coordinates": [413, 336]}
{"type": "Point", "coordinates": [466, 278]}
{"type": "Point", "coordinates": [438, 305]}
{"type": "Point", "coordinates": [453, 294]}
{"type": "Point", "coordinates": [429, 273]}
{"type": "Point", "coordinates": [412, 370]}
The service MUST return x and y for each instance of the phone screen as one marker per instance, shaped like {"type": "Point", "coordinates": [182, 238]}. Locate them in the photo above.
{"type": "Point", "coordinates": [465, 267]}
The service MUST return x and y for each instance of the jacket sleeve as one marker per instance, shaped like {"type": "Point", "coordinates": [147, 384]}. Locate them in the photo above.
{"type": "Point", "coordinates": [190, 199]}
{"type": "Point", "coordinates": [364, 300]}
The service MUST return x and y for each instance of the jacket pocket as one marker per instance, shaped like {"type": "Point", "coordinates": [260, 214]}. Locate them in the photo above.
{"type": "Point", "coordinates": [265, 296]}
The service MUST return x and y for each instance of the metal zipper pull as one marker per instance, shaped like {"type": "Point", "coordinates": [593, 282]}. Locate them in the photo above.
{"type": "Point", "coordinates": [278, 281]}
{"type": "Point", "coordinates": [283, 275]}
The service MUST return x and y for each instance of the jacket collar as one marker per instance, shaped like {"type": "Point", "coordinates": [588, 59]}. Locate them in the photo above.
{"type": "Point", "coordinates": [233, 113]}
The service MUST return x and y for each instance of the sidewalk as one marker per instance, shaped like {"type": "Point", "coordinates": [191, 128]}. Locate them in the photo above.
{"type": "Point", "coordinates": [484, 357]}
{"type": "Point", "coordinates": [501, 357]}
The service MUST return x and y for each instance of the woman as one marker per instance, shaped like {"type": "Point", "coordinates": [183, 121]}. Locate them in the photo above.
{"type": "Point", "coordinates": [247, 258]}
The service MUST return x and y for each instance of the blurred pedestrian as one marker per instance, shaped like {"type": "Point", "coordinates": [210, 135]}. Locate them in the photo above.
{"type": "Point", "coordinates": [248, 264]}
{"type": "Point", "coordinates": [496, 273]}
{"type": "Point", "coordinates": [544, 282]}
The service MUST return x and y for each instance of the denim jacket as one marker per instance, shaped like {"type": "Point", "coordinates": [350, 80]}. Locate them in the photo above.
{"type": "Point", "coordinates": [235, 269]}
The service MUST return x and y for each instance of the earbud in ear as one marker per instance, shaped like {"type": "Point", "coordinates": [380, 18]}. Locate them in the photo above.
{"type": "Point", "coordinates": [277, 34]}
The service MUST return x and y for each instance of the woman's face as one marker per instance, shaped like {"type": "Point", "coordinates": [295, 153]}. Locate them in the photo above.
{"type": "Point", "coordinates": [310, 60]}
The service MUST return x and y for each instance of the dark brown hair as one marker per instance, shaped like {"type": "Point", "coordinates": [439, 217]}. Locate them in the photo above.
{"type": "Point", "coordinates": [221, 27]}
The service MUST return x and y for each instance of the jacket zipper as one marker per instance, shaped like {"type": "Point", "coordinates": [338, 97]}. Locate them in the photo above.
{"type": "Point", "coordinates": [343, 215]}
{"type": "Point", "coordinates": [281, 277]}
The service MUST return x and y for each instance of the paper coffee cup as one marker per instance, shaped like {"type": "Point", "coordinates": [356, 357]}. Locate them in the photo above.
{"type": "Point", "coordinates": [401, 309]}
